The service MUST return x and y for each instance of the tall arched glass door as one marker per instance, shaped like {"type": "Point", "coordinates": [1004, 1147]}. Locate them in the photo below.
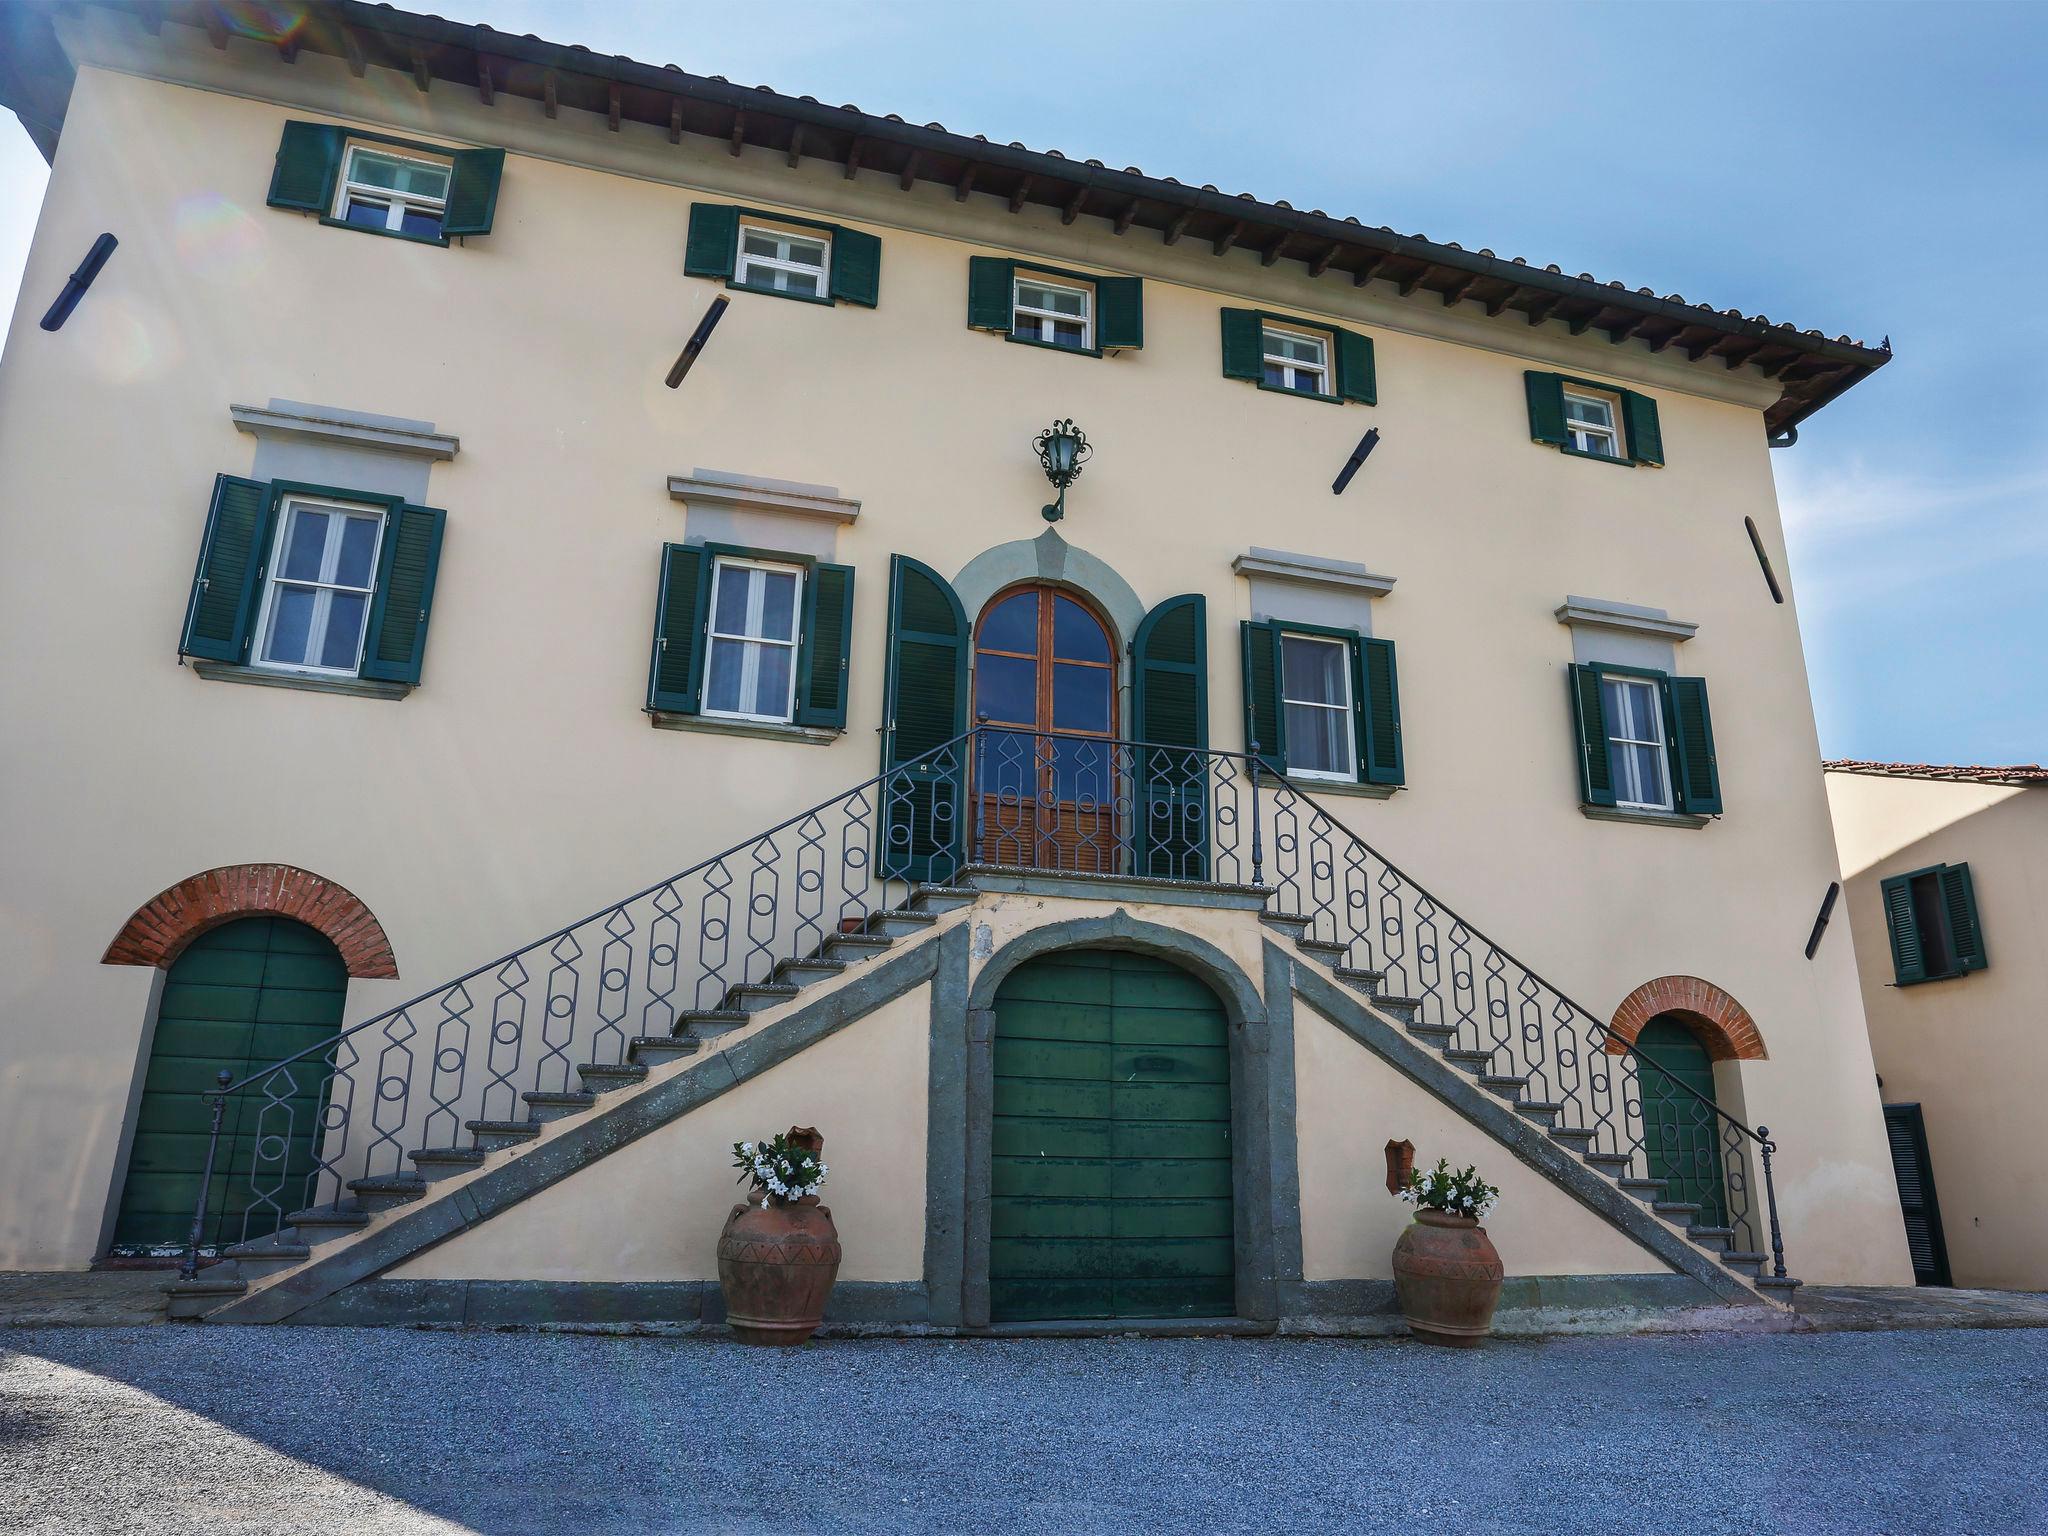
{"type": "Point", "coordinates": [1044, 664]}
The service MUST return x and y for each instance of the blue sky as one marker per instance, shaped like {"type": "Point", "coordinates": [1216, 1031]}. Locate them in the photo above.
{"type": "Point", "coordinates": [1868, 169]}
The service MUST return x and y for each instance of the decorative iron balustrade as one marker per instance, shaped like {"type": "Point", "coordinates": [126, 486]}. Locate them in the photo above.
{"type": "Point", "coordinates": [688, 954]}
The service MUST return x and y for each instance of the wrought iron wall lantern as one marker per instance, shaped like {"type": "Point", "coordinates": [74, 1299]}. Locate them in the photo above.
{"type": "Point", "coordinates": [1062, 449]}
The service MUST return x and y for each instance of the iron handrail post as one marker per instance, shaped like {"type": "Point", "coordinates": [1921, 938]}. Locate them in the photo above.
{"type": "Point", "coordinates": [1258, 867]}
{"type": "Point", "coordinates": [189, 1269]}
{"type": "Point", "coordinates": [1769, 1146]}
{"type": "Point", "coordinates": [975, 789]}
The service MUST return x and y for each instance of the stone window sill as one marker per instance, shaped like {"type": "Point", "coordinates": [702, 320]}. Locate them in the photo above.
{"type": "Point", "coordinates": [1643, 818]}
{"type": "Point", "coordinates": [1340, 787]}
{"type": "Point", "coordinates": [803, 735]}
{"type": "Point", "coordinates": [355, 687]}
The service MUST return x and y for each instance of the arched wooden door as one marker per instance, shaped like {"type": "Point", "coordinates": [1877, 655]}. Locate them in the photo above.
{"type": "Point", "coordinates": [1681, 1135]}
{"type": "Point", "coordinates": [1044, 663]}
{"type": "Point", "coordinates": [239, 997]}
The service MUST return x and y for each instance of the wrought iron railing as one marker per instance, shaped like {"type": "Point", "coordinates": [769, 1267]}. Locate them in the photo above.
{"type": "Point", "coordinates": [679, 953]}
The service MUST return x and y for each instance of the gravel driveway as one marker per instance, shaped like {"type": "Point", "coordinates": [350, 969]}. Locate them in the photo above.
{"type": "Point", "coordinates": [368, 1432]}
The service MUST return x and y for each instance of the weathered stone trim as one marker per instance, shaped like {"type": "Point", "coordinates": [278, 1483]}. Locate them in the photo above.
{"type": "Point", "coordinates": [582, 1304]}
{"type": "Point", "coordinates": [265, 677]}
{"type": "Point", "coordinates": [275, 421]}
{"type": "Point", "coordinates": [162, 926]}
{"type": "Point", "coordinates": [1722, 1024]}
{"type": "Point", "coordinates": [945, 1173]}
{"type": "Point", "coordinates": [1120, 930]}
{"type": "Point", "coordinates": [1598, 613]}
{"type": "Point", "coordinates": [801, 735]}
{"type": "Point", "coordinates": [1283, 1127]}
{"type": "Point", "coordinates": [1312, 571]}
{"type": "Point", "coordinates": [1092, 887]}
{"type": "Point", "coordinates": [1050, 558]}
{"type": "Point", "coordinates": [750, 495]}
{"type": "Point", "coordinates": [1622, 813]}
{"type": "Point", "coordinates": [1534, 1306]}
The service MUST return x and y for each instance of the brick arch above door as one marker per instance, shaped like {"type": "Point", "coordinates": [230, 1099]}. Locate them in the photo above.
{"type": "Point", "coordinates": [1722, 1024]}
{"type": "Point", "coordinates": [174, 917]}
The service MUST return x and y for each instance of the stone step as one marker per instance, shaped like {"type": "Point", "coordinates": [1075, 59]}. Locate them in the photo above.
{"type": "Point", "coordinates": [1613, 1164]}
{"type": "Point", "coordinates": [1750, 1265]}
{"type": "Point", "coordinates": [1328, 951]}
{"type": "Point", "coordinates": [257, 1260]}
{"type": "Point", "coordinates": [1292, 924]}
{"type": "Point", "coordinates": [1359, 977]}
{"type": "Point", "coordinates": [493, 1135]}
{"type": "Point", "coordinates": [324, 1223]}
{"type": "Point", "coordinates": [1713, 1239]}
{"type": "Point", "coordinates": [900, 923]}
{"type": "Point", "coordinates": [853, 948]}
{"type": "Point", "coordinates": [757, 996]}
{"type": "Point", "coordinates": [1436, 1034]}
{"type": "Point", "coordinates": [1543, 1111]}
{"type": "Point", "coordinates": [1404, 1009]}
{"type": "Point", "coordinates": [1677, 1210]}
{"type": "Point", "coordinates": [601, 1078]}
{"type": "Point", "coordinates": [1577, 1137]}
{"type": "Point", "coordinates": [1786, 1283]}
{"type": "Point", "coordinates": [660, 1050]}
{"type": "Point", "coordinates": [941, 898]}
{"type": "Point", "coordinates": [387, 1190]}
{"type": "Point", "coordinates": [802, 973]}
{"type": "Point", "coordinates": [1474, 1062]}
{"type": "Point", "coordinates": [1645, 1190]}
{"type": "Point", "coordinates": [196, 1298]}
{"type": "Point", "coordinates": [1506, 1085]}
{"type": "Point", "coordinates": [543, 1107]}
{"type": "Point", "coordinates": [702, 1024]}
{"type": "Point", "coordinates": [437, 1163]}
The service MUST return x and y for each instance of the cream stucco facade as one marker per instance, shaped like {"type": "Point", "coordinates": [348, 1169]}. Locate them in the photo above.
{"type": "Point", "coordinates": [520, 784]}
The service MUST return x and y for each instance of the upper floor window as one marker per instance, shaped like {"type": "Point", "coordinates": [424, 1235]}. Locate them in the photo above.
{"type": "Point", "coordinates": [782, 262]}
{"type": "Point", "coordinates": [1592, 420]}
{"type": "Point", "coordinates": [778, 253]}
{"type": "Point", "coordinates": [1297, 360]}
{"type": "Point", "coordinates": [388, 186]}
{"type": "Point", "coordinates": [1635, 743]}
{"type": "Point", "coordinates": [1592, 423]}
{"type": "Point", "coordinates": [1046, 307]}
{"type": "Point", "coordinates": [1931, 918]}
{"type": "Point", "coordinates": [1058, 314]}
{"type": "Point", "coordinates": [1299, 357]}
{"type": "Point", "coordinates": [1315, 692]}
{"type": "Point", "coordinates": [322, 575]}
{"type": "Point", "coordinates": [750, 671]}
{"type": "Point", "coordinates": [398, 193]}
{"type": "Point", "coordinates": [1645, 740]}
{"type": "Point", "coordinates": [1321, 703]}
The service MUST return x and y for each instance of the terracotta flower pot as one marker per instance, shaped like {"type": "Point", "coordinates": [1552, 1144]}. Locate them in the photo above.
{"type": "Point", "coordinates": [776, 1265]}
{"type": "Point", "coordinates": [1447, 1276]}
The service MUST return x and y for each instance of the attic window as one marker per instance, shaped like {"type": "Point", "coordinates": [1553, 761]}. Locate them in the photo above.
{"type": "Point", "coordinates": [398, 194]}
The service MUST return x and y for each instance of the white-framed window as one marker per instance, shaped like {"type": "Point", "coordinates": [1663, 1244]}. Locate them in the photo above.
{"type": "Point", "coordinates": [783, 262]}
{"type": "Point", "coordinates": [750, 673]}
{"type": "Point", "coordinates": [403, 194]}
{"type": "Point", "coordinates": [316, 599]}
{"type": "Point", "coordinates": [1315, 693]}
{"type": "Point", "coordinates": [1060, 314]}
{"type": "Point", "coordinates": [1636, 756]}
{"type": "Point", "coordinates": [1297, 360]}
{"type": "Point", "coordinates": [1592, 423]}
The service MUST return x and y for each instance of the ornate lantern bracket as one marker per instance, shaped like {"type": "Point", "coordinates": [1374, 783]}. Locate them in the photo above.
{"type": "Point", "coordinates": [1062, 449]}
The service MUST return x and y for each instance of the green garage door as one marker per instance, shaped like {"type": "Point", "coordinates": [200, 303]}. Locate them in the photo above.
{"type": "Point", "coordinates": [1111, 1171]}
{"type": "Point", "coordinates": [240, 997]}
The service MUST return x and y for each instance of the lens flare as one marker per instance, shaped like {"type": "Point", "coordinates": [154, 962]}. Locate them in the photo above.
{"type": "Point", "coordinates": [215, 237]}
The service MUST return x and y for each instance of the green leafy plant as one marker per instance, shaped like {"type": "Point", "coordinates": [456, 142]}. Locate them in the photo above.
{"type": "Point", "coordinates": [782, 1170]}
{"type": "Point", "coordinates": [1462, 1193]}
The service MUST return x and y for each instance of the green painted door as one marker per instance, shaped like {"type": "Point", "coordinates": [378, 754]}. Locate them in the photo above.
{"type": "Point", "coordinates": [240, 997]}
{"type": "Point", "coordinates": [1681, 1135]}
{"type": "Point", "coordinates": [1110, 1177]}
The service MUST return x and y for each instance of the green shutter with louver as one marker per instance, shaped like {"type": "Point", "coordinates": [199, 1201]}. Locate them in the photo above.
{"type": "Point", "coordinates": [1244, 349]}
{"type": "Point", "coordinates": [990, 284]}
{"type": "Point", "coordinates": [473, 191]}
{"type": "Point", "coordinates": [1119, 313]}
{"type": "Point", "coordinates": [1356, 376]}
{"type": "Point", "coordinates": [924, 712]}
{"type": "Point", "coordinates": [856, 266]}
{"type": "Point", "coordinates": [1589, 729]}
{"type": "Point", "coordinates": [1959, 905]}
{"type": "Point", "coordinates": [1170, 704]}
{"type": "Point", "coordinates": [308, 161]}
{"type": "Point", "coordinates": [1694, 772]}
{"type": "Point", "coordinates": [407, 563]}
{"type": "Point", "coordinates": [1379, 713]}
{"type": "Point", "coordinates": [1909, 961]}
{"type": "Point", "coordinates": [1913, 1171]}
{"type": "Point", "coordinates": [1265, 725]}
{"type": "Point", "coordinates": [827, 641]}
{"type": "Point", "coordinates": [1645, 436]}
{"type": "Point", "coordinates": [231, 550]}
{"type": "Point", "coordinates": [1546, 407]}
{"type": "Point", "coordinates": [712, 249]}
{"type": "Point", "coordinates": [675, 674]}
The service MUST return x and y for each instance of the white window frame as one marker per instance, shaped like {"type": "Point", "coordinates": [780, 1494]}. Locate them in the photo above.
{"type": "Point", "coordinates": [1578, 434]}
{"type": "Point", "coordinates": [1347, 710]}
{"type": "Point", "coordinates": [1628, 795]}
{"type": "Point", "coordinates": [779, 266]}
{"type": "Point", "coordinates": [272, 580]}
{"type": "Point", "coordinates": [1025, 317]}
{"type": "Point", "coordinates": [1292, 368]}
{"type": "Point", "coordinates": [396, 203]}
{"type": "Point", "coordinates": [750, 665]}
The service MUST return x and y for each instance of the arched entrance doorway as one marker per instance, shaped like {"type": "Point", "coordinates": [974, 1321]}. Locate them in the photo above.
{"type": "Point", "coordinates": [1043, 662]}
{"type": "Point", "coordinates": [1681, 1135]}
{"type": "Point", "coordinates": [237, 998]}
{"type": "Point", "coordinates": [1110, 1149]}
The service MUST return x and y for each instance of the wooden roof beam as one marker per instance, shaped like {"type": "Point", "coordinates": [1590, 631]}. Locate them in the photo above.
{"type": "Point", "coordinates": [1617, 334]}
{"type": "Point", "coordinates": [675, 119]}
{"type": "Point", "coordinates": [1272, 252]}
{"type": "Point", "coordinates": [1321, 264]}
{"type": "Point", "coordinates": [421, 75]}
{"type": "Point", "coordinates": [796, 146]}
{"type": "Point", "coordinates": [1544, 308]}
{"type": "Point", "coordinates": [1670, 336]}
{"type": "Point", "coordinates": [216, 29]}
{"type": "Point", "coordinates": [1073, 209]}
{"type": "Point", "coordinates": [965, 184]}
{"type": "Point", "coordinates": [1229, 237]}
{"type": "Point", "coordinates": [1179, 226]}
{"type": "Point", "coordinates": [548, 85]}
{"type": "Point", "coordinates": [1778, 365]}
{"type": "Point", "coordinates": [288, 48]}
{"type": "Point", "coordinates": [1740, 352]}
{"type": "Point", "coordinates": [1019, 192]}
{"type": "Point", "coordinates": [486, 88]}
{"type": "Point", "coordinates": [1123, 220]}
{"type": "Point", "coordinates": [611, 111]}
{"type": "Point", "coordinates": [1457, 291]}
{"type": "Point", "coordinates": [908, 174]}
{"type": "Point", "coordinates": [853, 154]}
{"type": "Point", "coordinates": [1495, 306]}
{"type": "Point", "coordinates": [1413, 281]}
{"type": "Point", "coordinates": [352, 49]}
{"type": "Point", "coordinates": [1370, 270]}
{"type": "Point", "coordinates": [739, 130]}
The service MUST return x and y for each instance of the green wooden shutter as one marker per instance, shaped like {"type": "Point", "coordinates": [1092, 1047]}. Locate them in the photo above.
{"type": "Point", "coordinates": [473, 191]}
{"type": "Point", "coordinates": [1170, 704]}
{"type": "Point", "coordinates": [1244, 345]}
{"type": "Point", "coordinates": [406, 566]}
{"type": "Point", "coordinates": [1119, 313]}
{"type": "Point", "coordinates": [1356, 377]}
{"type": "Point", "coordinates": [1645, 436]}
{"type": "Point", "coordinates": [1589, 725]}
{"type": "Point", "coordinates": [1959, 903]}
{"type": "Point", "coordinates": [712, 249]}
{"type": "Point", "coordinates": [1264, 721]}
{"type": "Point", "coordinates": [1694, 773]}
{"type": "Point", "coordinates": [990, 290]}
{"type": "Point", "coordinates": [308, 161]}
{"type": "Point", "coordinates": [675, 674]}
{"type": "Point", "coordinates": [1546, 407]}
{"type": "Point", "coordinates": [925, 708]}
{"type": "Point", "coordinates": [827, 642]}
{"type": "Point", "coordinates": [1909, 959]}
{"type": "Point", "coordinates": [231, 551]}
{"type": "Point", "coordinates": [1379, 713]}
{"type": "Point", "coordinates": [856, 266]}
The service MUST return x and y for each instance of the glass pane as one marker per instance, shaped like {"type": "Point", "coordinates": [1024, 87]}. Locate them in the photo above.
{"type": "Point", "coordinates": [416, 221]}
{"type": "Point", "coordinates": [1650, 773]}
{"type": "Point", "coordinates": [1007, 762]}
{"type": "Point", "coordinates": [1618, 761]}
{"type": "Point", "coordinates": [366, 214]}
{"type": "Point", "coordinates": [778, 605]}
{"type": "Point", "coordinates": [1034, 296]}
{"type": "Point", "coordinates": [1615, 700]}
{"type": "Point", "coordinates": [1006, 689]}
{"type": "Point", "coordinates": [291, 616]}
{"type": "Point", "coordinates": [1276, 375]}
{"type": "Point", "coordinates": [424, 180]}
{"type": "Point", "coordinates": [1317, 739]}
{"type": "Point", "coordinates": [1080, 698]}
{"type": "Point", "coordinates": [729, 612]}
{"type": "Point", "coordinates": [722, 676]}
{"type": "Point", "coordinates": [373, 170]}
{"type": "Point", "coordinates": [758, 245]}
{"type": "Point", "coordinates": [1598, 412]}
{"type": "Point", "coordinates": [1312, 671]}
{"type": "Point", "coordinates": [1067, 334]}
{"type": "Point", "coordinates": [305, 546]}
{"type": "Point", "coordinates": [358, 542]}
{"type": "Point", "coordinates": [1076, 633]}
{"type": "Point", "coordinates": [771, 684]}
{"type": "Point", "coordinates": [1083, 772]}
{"type": "Point", "coordinates": [800, 282]}
{"type": "Point", "coordinates": [1012, 625]}
{"type": "Point", "coordinates": [344, 630]}
{"type": "Point", "coordinates": [806, 253]}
